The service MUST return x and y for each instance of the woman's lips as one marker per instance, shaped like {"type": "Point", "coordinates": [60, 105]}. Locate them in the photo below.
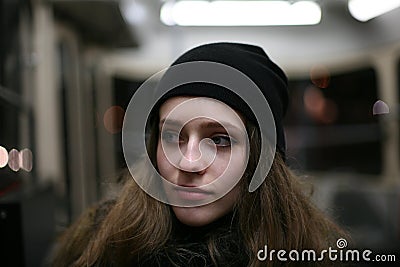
{"type": "Point", "coordinates": [191, 193]}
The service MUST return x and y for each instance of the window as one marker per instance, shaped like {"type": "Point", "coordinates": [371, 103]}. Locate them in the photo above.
{"type": "Point", "coordinates": [330, 125]}
{"type": "Point", "coordinates": [123, 92]}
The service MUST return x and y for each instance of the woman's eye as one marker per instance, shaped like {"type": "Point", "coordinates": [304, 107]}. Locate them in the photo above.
{"type": "Point", "coordinates": [222, 141]}
{"type": "Point", "coordinates": [170, 137]}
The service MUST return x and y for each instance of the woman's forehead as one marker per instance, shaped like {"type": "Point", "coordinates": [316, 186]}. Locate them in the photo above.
{"type": "Point", "coordinates": [187, 108]}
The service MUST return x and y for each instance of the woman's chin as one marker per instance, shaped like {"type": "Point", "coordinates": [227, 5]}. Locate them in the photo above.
{"type": "Point", "coordinates": [194, 216]}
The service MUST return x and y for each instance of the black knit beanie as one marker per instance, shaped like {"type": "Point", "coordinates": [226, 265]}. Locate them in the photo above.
{"type": "Point", "coordinates": [250, 60]}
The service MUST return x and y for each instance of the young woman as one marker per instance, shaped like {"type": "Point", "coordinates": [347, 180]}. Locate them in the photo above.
{"type": "Point", "coordinates": [206, 142]}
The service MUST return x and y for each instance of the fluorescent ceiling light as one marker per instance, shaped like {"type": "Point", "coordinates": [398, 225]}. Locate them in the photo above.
{"type": "Point", "coordinates": [240, 13]}
{"type": "Point", "coordinates": [364, 10]}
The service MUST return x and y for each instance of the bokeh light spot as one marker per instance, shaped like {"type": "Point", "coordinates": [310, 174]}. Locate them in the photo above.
{"type": "Point", "coordinates": [320, 76]}
{"type": "Point", "coordinates": [3, 157]}
{"type": "Point", "coordinates": [330, 112]}
{"type": "Point", "coordinates": [3, 215]}
{"type": "Point", "coordinates": [113, 119]}
{"type": "Point", "coordinates": [313, 101]}
{"type": "Point", "coordinates": [319, 108]}
{"type": "Point", "coordinates": [26, 158]}
{"type": "Point", "coordinates": [13, 160]}
{"type": "Point", "coordinates": [380, 108]}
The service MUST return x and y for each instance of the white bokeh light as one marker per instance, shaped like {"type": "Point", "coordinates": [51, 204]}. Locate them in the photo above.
{"type": "Point", "coordinates": [240, 13]}
{"type": "Point", "coordinates": [3, 157]}
{"type": "Point", "coordinates": [364, 10]}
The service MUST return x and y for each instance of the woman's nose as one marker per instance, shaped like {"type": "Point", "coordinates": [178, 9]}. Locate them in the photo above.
{"type": "Point", "coordinates": [196, 155]}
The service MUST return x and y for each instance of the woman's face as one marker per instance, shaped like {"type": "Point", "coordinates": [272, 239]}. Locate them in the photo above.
{"type": "Point", "coordinates": [201, 140]}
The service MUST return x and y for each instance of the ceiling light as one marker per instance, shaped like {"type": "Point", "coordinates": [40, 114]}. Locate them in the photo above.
{"type": "Point", "coordinates": [240, 13]}
{"type": "Point", "coordinates": [364, 10]}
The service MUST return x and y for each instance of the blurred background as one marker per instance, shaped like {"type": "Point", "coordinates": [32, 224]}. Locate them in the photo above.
{"type": "Point", "coordinates": [68, 69]}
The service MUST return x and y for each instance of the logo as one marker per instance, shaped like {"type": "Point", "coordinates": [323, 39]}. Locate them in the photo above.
{"type": "Point", "coordinates": [147, 95]}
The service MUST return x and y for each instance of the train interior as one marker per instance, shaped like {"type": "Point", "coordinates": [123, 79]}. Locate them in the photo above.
{"type": "Point", "coordinates": [68, 70]}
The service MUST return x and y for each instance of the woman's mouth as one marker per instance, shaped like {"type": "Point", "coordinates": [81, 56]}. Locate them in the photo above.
{"type": "Point", "coordinates": [191, 193]}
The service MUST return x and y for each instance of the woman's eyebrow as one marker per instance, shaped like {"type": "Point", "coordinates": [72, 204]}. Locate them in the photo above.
{"type": "Point", "coordinates": [215, 124]}
{"type": "Point", "coordinates": [170, 122]}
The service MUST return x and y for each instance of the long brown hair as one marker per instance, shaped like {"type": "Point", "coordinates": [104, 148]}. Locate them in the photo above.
{"type": "Point", "coordinates": [278, 214]}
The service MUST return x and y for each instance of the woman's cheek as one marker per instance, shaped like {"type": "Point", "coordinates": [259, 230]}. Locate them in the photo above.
{"type": "Point", "coordinates": [161, 160]}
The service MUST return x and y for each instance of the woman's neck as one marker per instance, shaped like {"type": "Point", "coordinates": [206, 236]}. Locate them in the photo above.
{"type": "Point", "coordinates": [221, 226]}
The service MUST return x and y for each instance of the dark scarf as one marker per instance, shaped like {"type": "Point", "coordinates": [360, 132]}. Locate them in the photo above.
{"type": "Point", "coordinates": [188, 245]}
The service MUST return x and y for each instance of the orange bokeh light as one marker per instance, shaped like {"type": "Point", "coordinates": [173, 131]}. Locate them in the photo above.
{"type": "Point", "coordinates": [319, 108]}
{"type": "Point", "coordinates": [320, 76]}
{"type": "Point", "coordinates": [113, 119]}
